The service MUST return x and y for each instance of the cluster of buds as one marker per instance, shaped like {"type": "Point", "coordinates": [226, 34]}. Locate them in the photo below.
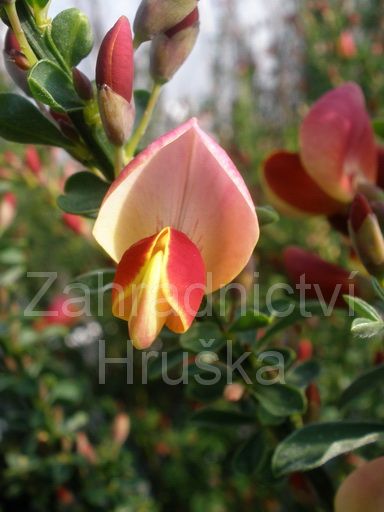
{"type": "Point", "coordinates": [114, 80]}
{"type": "Point", "coordinates": [173, 27]}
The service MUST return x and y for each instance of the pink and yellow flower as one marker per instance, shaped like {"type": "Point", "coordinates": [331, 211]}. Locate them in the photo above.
{"type": "Point", "coordinates": [180, 222]}
{"type": "Point", "coordinates": [337, 154]}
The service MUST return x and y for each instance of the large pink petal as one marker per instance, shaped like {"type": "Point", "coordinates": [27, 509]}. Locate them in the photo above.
{"type": "Point", "coordinates": [337, 144]}
{"type": "Point", "coordinates": [184, 180]}
{"type": "Point", "coordinates": [292, 190]}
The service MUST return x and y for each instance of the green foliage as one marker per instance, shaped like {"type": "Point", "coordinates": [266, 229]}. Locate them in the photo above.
{"type": "Point", "coordinates": [83, 194]}
{"type": "Point", "coordinates": [21, 121]}
{"type": "Point", "coordinates": [53, 87]}
{"type": "Point", "coordinates": [72, 34]}
{"type": "Point", "coordinates": [314, 445]}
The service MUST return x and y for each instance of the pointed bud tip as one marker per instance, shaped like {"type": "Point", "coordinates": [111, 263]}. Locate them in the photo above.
{"type": "Point", "coordinates": [360, 209]}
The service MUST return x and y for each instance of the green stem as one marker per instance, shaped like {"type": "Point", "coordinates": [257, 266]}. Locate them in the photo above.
{"type": "Point", "coordinates": [143, 125]}
{"type": "Point", "coordinates": [14, 20]}
{"type": "Point", "coordinates": [119, 159]}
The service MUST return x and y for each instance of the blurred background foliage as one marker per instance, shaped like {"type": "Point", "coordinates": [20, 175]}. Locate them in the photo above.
{"type": "Point", "coordinates": [68, 443]}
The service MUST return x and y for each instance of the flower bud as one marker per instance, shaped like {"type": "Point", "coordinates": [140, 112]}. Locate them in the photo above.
{"type": "Point", "coordinates": [121, 428]}
{"type": "Point", "coordinates": [304, 350]}
{"type": "Point", "coordinates": [366, 236]}
{"type": "Point", "coordinates": [16, 62]}
{"type": "Point", "coordinates": [82, 84]}
{"type": "Point", "coordinates": [170, 49]}
{"type": "Point", "coordinates": [117, 116]}
{"type": "Point", "coordinates": [346, 45]}
{"type": "Point", "coordinates": [156, 16]}
{"type": "Point", "coordinates": [234, 392]}
{"type": "Point", "coordinates": [114, 79]}
{"type": "Point", "coordinates": [32, 160]}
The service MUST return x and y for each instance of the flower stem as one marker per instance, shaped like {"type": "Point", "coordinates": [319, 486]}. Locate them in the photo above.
{"type": "Point", "coordinates": [14, 20]}
{"type": "Point", "coordinates": [119, 159]}
{"type": "Point", "coordinates": [143, 125]}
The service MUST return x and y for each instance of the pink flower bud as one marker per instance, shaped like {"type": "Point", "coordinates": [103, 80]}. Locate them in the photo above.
{"type": "Point", "coordinates": [8, 207]}
{"type": "Point", "coordinates": [114, 79]}
{"type": "Point", "coordinates": [85, 448]}
{"type": "Point", "coordinates": [170, 49]}
{"type": "Point", "coordinates": [305, 350]}
{"type": "Point", "coordinates": [346, 45]}
{"type": "Point", "coordinates": [121, 428]}
{"type": "Point", "coordinates": [156, 16]}
{"type": "Point", "coordinates": [32, 160]}
{"type": "Point", "coordinates": [366, 236]}
{"type": "Point", "coordinates": [234, 392]}
{"type": "Point", "coordinates": [16, 62]}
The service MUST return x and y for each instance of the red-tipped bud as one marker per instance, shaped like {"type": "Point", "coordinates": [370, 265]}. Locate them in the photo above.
{"type": "Point", "coordinates": [83, 85]}
{"type": "Point", "coordinates": [346, 45]}
{"type": "Point", "coordinates": [85, 448]}
{"type": "Point", "coordinates": [156, 16]}
{"type": "Point", "coordinates": [32, 160]}
{"type": "Point", "coordinates": [114, 79]}
{"type": "Point", "coordinates": [234, 392]}
{"type": "Point", "coordinates": [8, 207]}
{"type": "Point", "coordinates": [304, 350]}
{"type": "Point", "coordinates": [317, 279]}
{"type": "Point", "coordinates": [170, 49]}
{"type": "Point", "coordinates": [121, 428]}
{"type": "Point", "coordinates": [16, 62]}
{"type": "Point", "coordinates": [378, 358]}
{"type": "Point", "coordinates": [366, 236]}
{"type": "Point", "coordinates": [65, 124]}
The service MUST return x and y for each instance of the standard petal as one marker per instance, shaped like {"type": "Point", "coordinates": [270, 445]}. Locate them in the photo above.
{"type": "Point", "coordinates": [186, 181]}
{"type": "Point", "coordinates": [292, 190]}
{"type": "Point", "coordinates": [337, 145]}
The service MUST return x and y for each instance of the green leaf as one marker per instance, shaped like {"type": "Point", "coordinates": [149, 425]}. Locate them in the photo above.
{"type": "Point", "coordinates": [316, 444]}
{"type": "Point", "coordinates": [156, 367]}
{"type": "Point", "coordinates": [267, 215]}
{"type": "Point", "coordinates": [280, 399]}
{"type": "Point", "coordinates": [215, 418]}
{"type": "Point", "coordinates": [362, 308]}
{"type": "Point", "coordinates": [22, 122]}
{"type": "Point", "coordinates": [282, 322]}
{"type": "Point", "coordinates": [38, 3]}
{"type": "Point", "coordinates": [251, 457]}
{"type": "Point", "coordinates": [251, 320]}
{"type": "Point", "coordinates": [203, 336]}
{"type": "Point", "coordinates": [273, 355]}
{"type": "Point", "coordinates": [363, 328]}
{"type": "Point", "coordinates": [72, 34]}
{"type": "Point", "coordinates": [369, 380]}
{"type": "Point", "coordinates": [84, 193]}
{"type": "Point", "coordinates": [53, 87]}
{"type": "Point", "coordinates": [96, 280]}
{"type": "Point", "coordinates": [303, 374]}
{"type": "Point", "coordinates": [207, 385]}
{"type": "Point", "coordinates": [379, 290]}
{"type": "Point", "coordinates": [378, 127]}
